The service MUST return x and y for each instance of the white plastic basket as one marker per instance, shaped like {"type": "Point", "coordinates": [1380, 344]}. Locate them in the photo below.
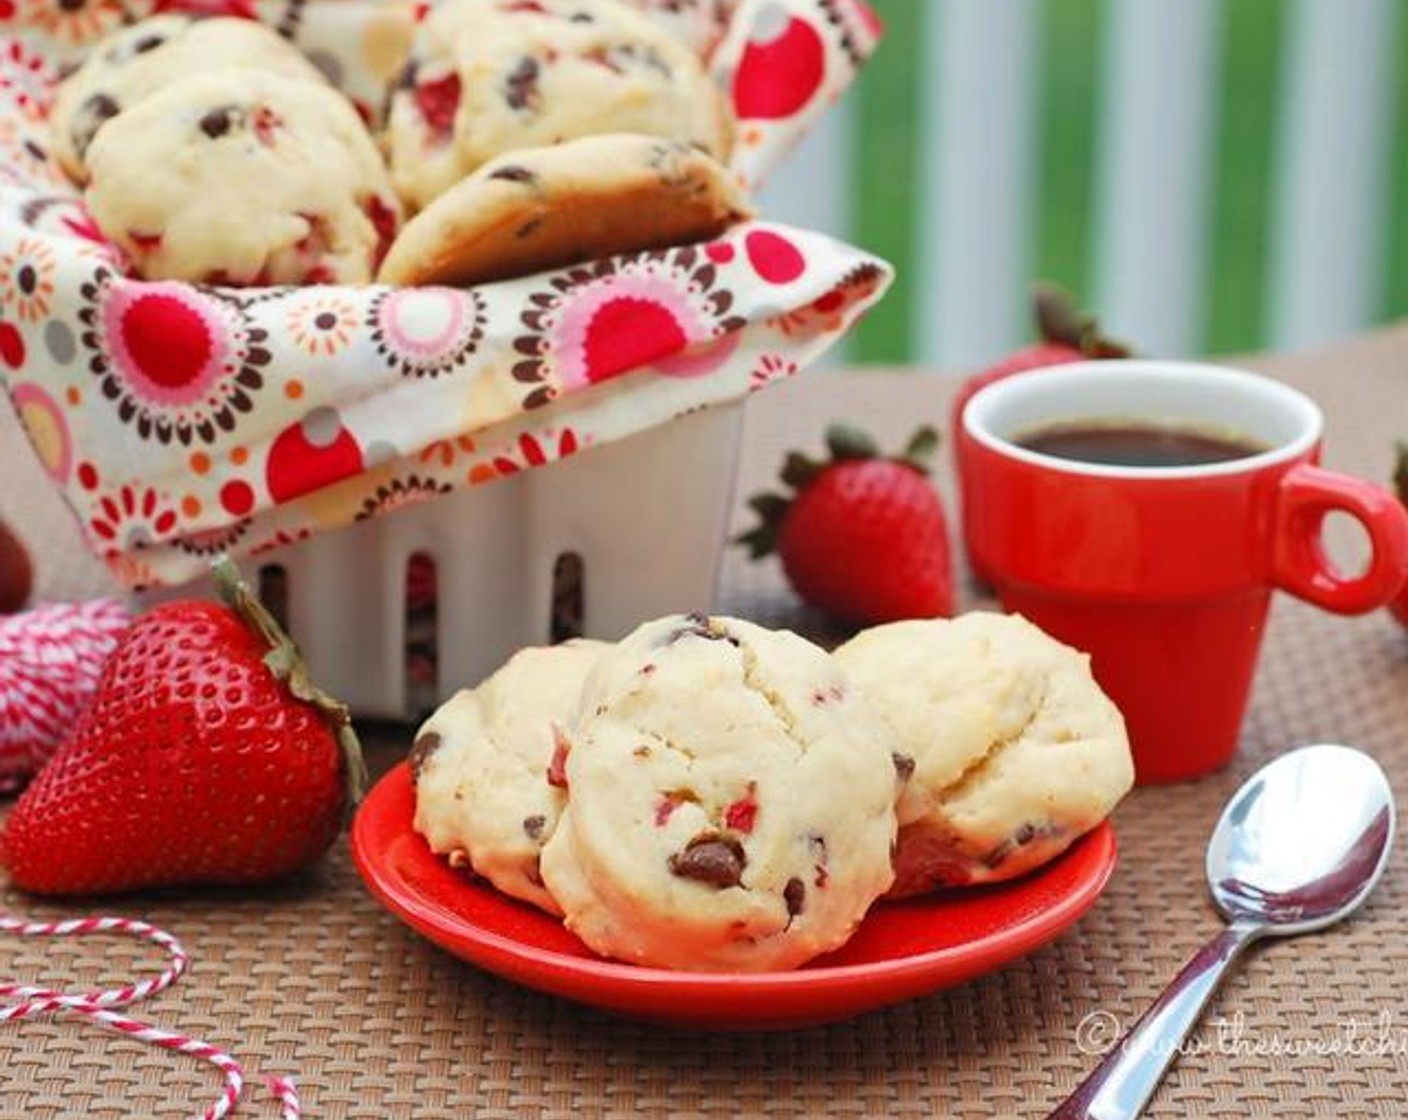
{"type": "Point", "coordinates": [647, 516]}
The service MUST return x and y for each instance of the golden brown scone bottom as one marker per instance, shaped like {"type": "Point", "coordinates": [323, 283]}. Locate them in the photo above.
{"type": "Point", "coordinates": [544, 208]}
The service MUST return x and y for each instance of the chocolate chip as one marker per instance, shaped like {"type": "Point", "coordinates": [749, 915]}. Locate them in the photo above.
{"type": "Point", "coordinates": [628, 54]}
{"type": "Point", "coordinates": [89, 118]}
{"type": "Point", "coordinates": [218, 121]}
{"type": "Point", "coordinates": [711, 858]}
{"type": "Point", "coordinates": [699, 626]}
{"type": "Point", "coordinates": [100, 107]}
{"type": "Point", "coordinates": [406, 79]}
{"type": "Point", "coordinates": [72, 5]}
{"type": "Point", "coordinates": [821, 875]}
{"type": "Point", "coordinates": [514, 174]}
{"type": "Point", "coordinates": [533, 826]}
{"type": "Point", "coordinates": [904, 765]}
{"type": "Point", "coordinates": [1024, 835]}
{"type": "Point", "coordinates": [581, 17]}
{"type": "Point", "coordinates": [795, 895]}
{"type": "Point", "coordinates": [25, 279]}
{"type": "Point", "coordinates": [528, 228]}
{"type": "Point", "coordinates": [695, 626]}
{"type": "Point", "coordinates": [521, 87]}
{"type": "Point", "coordinates": [146, 43]}
{"type": "Point", "coordinates": [325, 320]}
{"type": "Point", "coordinates": [421, 750]}
{"type": "Point", "coordinates": [998, 856]}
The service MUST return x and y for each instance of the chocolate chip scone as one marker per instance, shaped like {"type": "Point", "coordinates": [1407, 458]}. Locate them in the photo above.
{"type": "Point", "coordinates": [243, 177]}
{"type": "Point", "coordinates": [1016, 750]}
{"type": "Point", "coordinates": [134, 63]}
{"type": "Point", "coordinates": [550, 207]}
{"type": "Point", "coordinates": [730, 801]}
{"type": "Point", "coordinates": [487, 794]}
{"type": "Point", "coordinates": [487, 77]}
{"type": "Point", "coordinates": [698, 24]}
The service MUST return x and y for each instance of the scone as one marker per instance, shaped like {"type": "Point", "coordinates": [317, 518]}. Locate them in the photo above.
{"type": "Point", "coordinates": [137, 61]}
{"type": "Point", "coordinates": [1016, 750]}
{"type": "Point", "coordinates": [698, 24]}
{"type": "Point", "coordinates": [487, 77]}
{"type": "Point", "coordinates": [730, 801]}
{"type": "Point", "coordinates": [550, 207]}
{"type": "Point", "coordinates": [481, 767]}
{"type": "Point", "coordinates": [243, 177]}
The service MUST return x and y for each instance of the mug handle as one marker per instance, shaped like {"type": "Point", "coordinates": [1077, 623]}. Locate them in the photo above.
{"type": "Point", "coordinates": [1300, 564]}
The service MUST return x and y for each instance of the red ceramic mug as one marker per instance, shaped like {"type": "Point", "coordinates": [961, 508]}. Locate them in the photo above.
{"type": "Point", "coordinates": [1164, 574]}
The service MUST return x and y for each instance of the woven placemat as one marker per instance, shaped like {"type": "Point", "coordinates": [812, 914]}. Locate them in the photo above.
{"type": "Point", "coordinates": [314, 979]}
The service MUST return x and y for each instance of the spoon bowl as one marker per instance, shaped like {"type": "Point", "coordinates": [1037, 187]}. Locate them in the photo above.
{"type": "Point", "coordinates": [1302, 844]}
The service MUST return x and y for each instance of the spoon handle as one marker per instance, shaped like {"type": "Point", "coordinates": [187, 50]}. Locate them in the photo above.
{"type": "Point", "coordinates": [1121, 1085]}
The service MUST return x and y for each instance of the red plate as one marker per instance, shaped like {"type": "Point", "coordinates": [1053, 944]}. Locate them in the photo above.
{"type": "Point", "coordinates": [901, 950]}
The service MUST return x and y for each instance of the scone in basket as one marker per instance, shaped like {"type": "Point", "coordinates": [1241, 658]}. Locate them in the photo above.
{"type": "Point", "coordinates": [282, 424]}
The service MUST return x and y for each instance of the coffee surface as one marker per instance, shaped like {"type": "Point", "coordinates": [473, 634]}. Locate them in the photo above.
{"type": "Point", "coordinates": [1123, 443]}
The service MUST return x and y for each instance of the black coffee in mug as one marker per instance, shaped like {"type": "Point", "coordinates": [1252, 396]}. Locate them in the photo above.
{"type": "Point", "coordinates": [1137, 443]}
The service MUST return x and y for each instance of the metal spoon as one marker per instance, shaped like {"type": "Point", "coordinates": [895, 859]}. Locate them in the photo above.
{"type": "Point", "coordinates": [1299, 847]}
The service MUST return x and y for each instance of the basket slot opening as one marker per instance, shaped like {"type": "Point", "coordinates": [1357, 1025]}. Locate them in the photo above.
{"type": "Point", "coordinates": [273, 592]}
{"type": "Point", "coordinates": [422, 652]}
{"type": "Point", "coordinates": [568, 597]}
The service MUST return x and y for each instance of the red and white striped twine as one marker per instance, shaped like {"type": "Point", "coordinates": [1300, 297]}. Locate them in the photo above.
{"type": "Point", "coordinates": [51, 658]}
{"type": "Point", "coordinates": [282, 1087]}
{"type": "Point", "coordinates": [97, 1006]}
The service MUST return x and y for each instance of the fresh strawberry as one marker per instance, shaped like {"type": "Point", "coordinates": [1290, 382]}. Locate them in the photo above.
{"type": "Point", "coordinates": [438, 101]}
{"type": "Point", "coordinates": [207, 756]}
{"type": "Point", "coordinates": [1400, 480]}
{"type": "Point", "coordinates": [862, 537]}
{"type": "Point", "coordinates": [1066, 336]}
{"type": "Point", "coordinates": [16, 572]}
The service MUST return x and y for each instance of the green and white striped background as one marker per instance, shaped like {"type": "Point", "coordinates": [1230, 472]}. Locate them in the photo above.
{"type": "Point", "coordinates": [1212, 175]}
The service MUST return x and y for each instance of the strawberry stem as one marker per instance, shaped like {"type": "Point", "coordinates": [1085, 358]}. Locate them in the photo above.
{"type": "Point", "coordinates": [846, 442]}
{"type": "Point", "coordinates": [918, 453]}
{"type": "Point", "coordinates": [1057, 318]}
{"type": "Point", "coordinates": [1060, 321]}
{"type": "Point", "coordinates": [288, 666]}
{"type": "Point", "coordinates": [799, 471]}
